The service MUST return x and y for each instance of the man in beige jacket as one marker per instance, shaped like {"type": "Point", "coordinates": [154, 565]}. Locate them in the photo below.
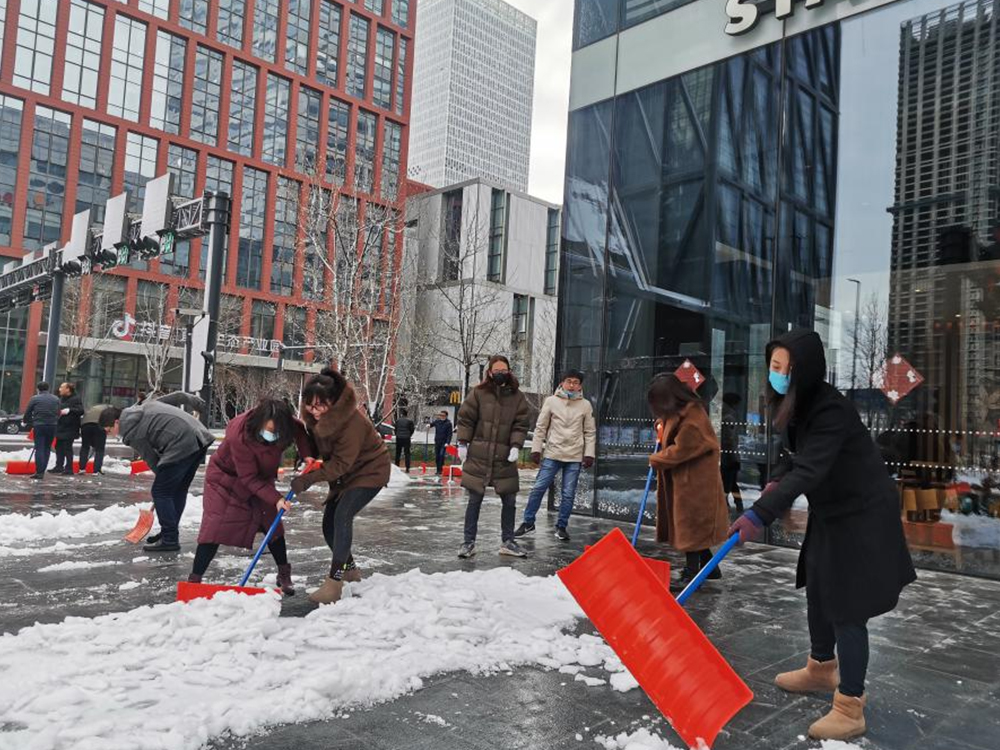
{"type": "Point", "coordinates": [566, 432]}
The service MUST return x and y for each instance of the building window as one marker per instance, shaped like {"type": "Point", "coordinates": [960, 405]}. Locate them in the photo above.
{"type": "Point", "coordinates": [636, 11]}
{"type": "Point", "coordinates": [107, 302]}
{"type": "Point", "coordinates": [364, 153]}
{"type": "Point", "coordinates": [401, 76]}
{"type": "Point", "coordinates": [552, 252]}
{"type": "Point", "coordinates": [375, 6]}
{"type": "Point", "coordinates": [97, 161]}
{"type": "Point", "coordinates": [286, 223]}
{"type": "Point", "coordinates": [307, 132]}
{"type": "Point", "coordinates": [206, 97]}
{"type": "Point", "coordinates": [168, 83]}
{"type": "Point", "coordinates": [47, 179]}
{"type": "Point", "coordinates": [382, 84]}
{"type": "Point", "coordinates": [357, 57]}
{"type": "Point", "coordinates": [253, 213]}
{"type": "Point", "coordinates": [3, 26]}
{"type": "Point", "coordinates": [595, 20]}
{"type": "Point", "coordinates": [392, 138]}
{"type": "Point", "coordinates": [297, 41]}
{"type": "Point", "coordinates": [265, 29]}
{"type": "Point", "coordinates": [293, 333]}
{"type": "Point", "coordinates": [338, 125]}
{"type": "Point", "coordinates": [451, 247]}
{"type": "Point", "coordinates": [262, 320]}
{"type": "Point", "coordinates": [194, 15]}
{"type": "Point", "coordinates": [36, 40]}
{"type": "Point", "coordinates": [140, 167]}
{"type": "Point", "coordinates": [242, 102]}
{"type": "Point", "coordinates": [401, 12]}
{"type": "Point", "coordinates": [276, 120]}
{"type": "Point", "coordinates": [521, 328]}
{"type": "Point", "coordinates": [182, 163]}
{"type": "Point", "coordinates": [328, 54]}
{"type": "Point", "coordinates": [498, 234]}
{"type": "Point", "coordinates": [230, 22]}
{"type": "Point", "coordinates": [83, 53]}
{"type": "Point", "coordinates": [10, 148]}
{"type": "Point", "coordinates": [158, 8]}
{"type": "Point", "coordinates": [125, 87]}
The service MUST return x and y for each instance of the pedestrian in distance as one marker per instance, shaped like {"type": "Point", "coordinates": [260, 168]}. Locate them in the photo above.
{"type": "Point", "coordinates": [356, 466]}
{"type": "Point", "coordinates": [68, 427]}
{"type": "Point", "coordinates": [240, 499]}
{"type": "Point", "coordinates": [404, 429]}
{"type": "Point", "coordinates": [493, 425]}
{"type": "Point", "coordinates": [854, 560]}
{"type": "Point", "coordinates": [565, 440]}
{"type": "Point", "coordinates": [42, 416]}
{"type": "Point", "coordinates": [174, 445]}
{"type": "Point", "coordinates": [730, 462]}
{"type": "Point", "coordinates": [443, 432]}
{"type": "Point", "coordinates": [93, 437]}
{"type": "Point", "coordinates": [691, 511]}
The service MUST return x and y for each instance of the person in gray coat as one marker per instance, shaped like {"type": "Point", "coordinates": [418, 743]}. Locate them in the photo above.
{"type": "Point", "coordinates": [174, 444]}
{"type": "Point", "coordinates": [42, 415]}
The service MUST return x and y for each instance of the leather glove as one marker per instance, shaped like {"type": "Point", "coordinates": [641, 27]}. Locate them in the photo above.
{"type": "Point", "coordinates": [536, 458]}
{"type": "Point", "coordinates": [749, 526]}
{"type": "Point", "coordinates": [513, 455]}
{"type": "Point", "coordinates": [463, 453]}
{"type": "Point", "coordinates": [588, 461]}
{"type": "Point", "coordinates": [300, 484]}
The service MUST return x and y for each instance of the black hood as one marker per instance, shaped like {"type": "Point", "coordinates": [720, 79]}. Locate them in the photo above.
{"type": "Point", "coordinates": [808, 359]}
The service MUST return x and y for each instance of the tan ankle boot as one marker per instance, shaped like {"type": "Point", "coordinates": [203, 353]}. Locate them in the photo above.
{"type": "Point", "coordinates": [815, 677]}
{"type": "Point", "coordinates": [352, 576]}
{"type": "Point", "coordinates": [845, 721]}
{"type": "Point", "coordinates": [328, 593]}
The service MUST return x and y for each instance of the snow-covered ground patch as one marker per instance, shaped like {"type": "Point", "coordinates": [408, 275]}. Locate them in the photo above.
{"type": "Point", "coordinates": [648, 739]}
{"type": "Point", "coordinates": [398, 478]}
{"type": "Point", "coordinates": [76, 565]}
{"type": "Point", "coordinates": [23, 454]}
{"type": "Point", "coordinates": [176, 675]}
{"type": "Point", "coordinates": [59, 548]}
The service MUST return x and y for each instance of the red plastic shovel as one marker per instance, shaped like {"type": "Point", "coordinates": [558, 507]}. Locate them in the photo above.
{"type": "Point", "coordinates": [22, 467]}
{"type": "Point", "coordinates": [664, 649]}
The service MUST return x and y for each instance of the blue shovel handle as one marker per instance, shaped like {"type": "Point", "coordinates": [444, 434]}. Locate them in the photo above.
{"type": "Point", "coordinates": [645, 497]}
{"type": "Point", "coordinates": [708, 568]}
{"type": "Point", "coordinates": [267, 538]}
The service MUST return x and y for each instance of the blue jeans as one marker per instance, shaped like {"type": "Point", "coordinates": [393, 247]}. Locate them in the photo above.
{"type": "Point", "coordinates": [169, 492]}
{"type": "Point", "coordinates": [440, 451]}
{"type": "Point", "coordinates": [546, 475]}
{"type": "Point", "coordinates": [43, 447]}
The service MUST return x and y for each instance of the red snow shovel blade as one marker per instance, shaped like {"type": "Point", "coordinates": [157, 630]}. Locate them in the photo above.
{"type": "Point", "coordinates": [660, 568]}
{"type": "Point", "coordinates": [676, 665]}
{"type": "Point", "coordinates": [187, 591]}
{"type": "Point", "coordinates": [142, 527]}
{"type": "Point", "coordinates": [138, 467]}
{"type": "Point", "coordinates": [20, 467]}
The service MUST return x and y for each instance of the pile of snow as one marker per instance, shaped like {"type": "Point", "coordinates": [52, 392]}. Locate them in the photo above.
{"type": "Point", "coordinates": [24, 454]}
{"type": "Point", "coordinates": [59, 548]}
{"type": "Point", "coordinates": [398, 479]}
{"type": "Point", "coordinates": [177, 675]}
{"type": "Point", "coordinates": [647, 739]}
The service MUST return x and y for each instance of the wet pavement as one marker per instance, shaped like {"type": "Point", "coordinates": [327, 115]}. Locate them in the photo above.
{"type": "Point", "coordinates": [934, 681]}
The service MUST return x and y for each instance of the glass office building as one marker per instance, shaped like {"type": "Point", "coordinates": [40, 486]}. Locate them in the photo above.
{"type": "Point", "coordinates": [837, 169]}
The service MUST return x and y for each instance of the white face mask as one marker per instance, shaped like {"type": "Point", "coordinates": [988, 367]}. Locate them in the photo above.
{"type": "Point", "coordinates": [268, 437]}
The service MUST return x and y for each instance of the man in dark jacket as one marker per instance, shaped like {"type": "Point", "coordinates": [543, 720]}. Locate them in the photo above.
{"type": "Point", "coordinates": [68, 428]}
{"type": "Point", "coordinates": [443, 430]}
{"type": "Point", "coordinates": [93, 436]}
{"type": "Point", "coordinates": [174, 444]}
{"type": "Point", "coordinates": [42, 415]}
{"type": "Point", "coordinates": [404, 429]}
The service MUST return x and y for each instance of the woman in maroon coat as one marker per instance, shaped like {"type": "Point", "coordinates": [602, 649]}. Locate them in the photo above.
{"type": "Point", "coordinates": [240, 498]}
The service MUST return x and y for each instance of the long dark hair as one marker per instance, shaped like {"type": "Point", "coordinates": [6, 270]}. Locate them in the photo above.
{"type": "Point", "coordinates": [782, 407]}
{"type": "Point", "coordinates": [668, 395]}
{"type": "Point", "coordinates": [327, 387]}
{"type": "Point", "coordinates": [271, 410]}
{"type": "Point", "coordinates": [488, 379]}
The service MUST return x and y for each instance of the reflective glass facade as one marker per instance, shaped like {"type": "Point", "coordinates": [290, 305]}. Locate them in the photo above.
{"type": "Point", "coordinates": [839, 180]}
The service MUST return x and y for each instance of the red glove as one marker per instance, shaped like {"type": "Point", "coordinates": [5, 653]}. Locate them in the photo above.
{"type": "Point", "coordinates": [588, 461]}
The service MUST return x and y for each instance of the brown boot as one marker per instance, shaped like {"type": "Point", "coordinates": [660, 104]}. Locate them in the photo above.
{"type": "Point", "coordinates": [328, 593]}
{"type": "Point", "coordinates": [285, 580]}
{"type": "Point", "coordinates": [845, 721]}
{"type": "Point", "coordinates": [814, 677]}
{"type": "Point", "coordinates": [352, 576]}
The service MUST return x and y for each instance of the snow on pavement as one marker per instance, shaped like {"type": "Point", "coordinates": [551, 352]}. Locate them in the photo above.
{"type": "Point", "coordinates": [648, 739]}
{"type": "Point", "coordinates": [173, 676]}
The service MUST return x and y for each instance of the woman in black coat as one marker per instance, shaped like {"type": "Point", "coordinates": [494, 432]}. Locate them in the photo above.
{"type": "Point", "coordinates": [854, 560]}
{"type": "Point", "coordinates": [68, 428]}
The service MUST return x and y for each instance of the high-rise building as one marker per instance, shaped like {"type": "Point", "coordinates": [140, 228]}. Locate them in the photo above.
{"type": "Point", "coordinates": [272, 101]}
{"type": "Point", "coordinates": [472, 98]}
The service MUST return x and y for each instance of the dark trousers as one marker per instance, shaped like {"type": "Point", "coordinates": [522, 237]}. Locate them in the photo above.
{"type": "Point", "coordinates": [403, 449]}
{"type": "Point", "coordinates": [440, 451]}
{"type": "Point", "coordinates": [92, 436]}
{"type": "Point", "coordinates": [64, 455]}
{"type": "Point", "coordinates": [851, 642]}
{"type": "Point", "coordinates": [169, 492]}
{"type": "Point", "coordinates": [43, 447]}
{"type": "Point", "coordinates": [338, 523]}
{"type": "Point", "coordinates": [206, 553]}
{"type": "Point", "coordinates": [508, 512]}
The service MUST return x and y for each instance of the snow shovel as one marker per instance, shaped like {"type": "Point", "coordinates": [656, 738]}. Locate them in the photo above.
{"type": "Point", "coordinates": [22, 467]}
{"type": "Point", "coordinates": [142, 527]}
{"type": "Point", "coordinates": [674, 662]}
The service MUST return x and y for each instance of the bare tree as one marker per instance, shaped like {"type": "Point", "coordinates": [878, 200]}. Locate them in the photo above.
{"type": "Point", "coordinates": [868, 350]}
{"type": "Point", "coordinates": [541, 361]}
{"type": "Point", "coordinates": [156, 331]}
{"type": "Point", "coordinates": [86, 323]}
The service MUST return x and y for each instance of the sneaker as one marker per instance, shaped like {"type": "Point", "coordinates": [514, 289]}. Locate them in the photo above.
{"type": "Point", "coordinates": [561, 534]}
{"type": "Point", "coordinates": [525, 528]}
{"type": "Point", "coordinates": [512, 549]}
{"type": "Point", "coordinates": [467, 551]}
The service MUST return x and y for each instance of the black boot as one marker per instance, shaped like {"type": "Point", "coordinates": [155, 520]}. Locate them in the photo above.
{"type": "Point", "coordinates": [706, 555]}
{"type": "Point", "coordinates": [162, 545]}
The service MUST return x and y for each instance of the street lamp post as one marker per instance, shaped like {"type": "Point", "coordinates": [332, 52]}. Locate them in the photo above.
{"type": "Point", "coordinates": [857, 321]}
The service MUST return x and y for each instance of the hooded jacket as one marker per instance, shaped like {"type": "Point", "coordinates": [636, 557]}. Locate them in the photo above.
{"type": "Point", "coordinates": [854, 559]}
{"type": "Point", "coordinates": [162, 434]}
{"type": "Point", "coordinates": [565, 430]}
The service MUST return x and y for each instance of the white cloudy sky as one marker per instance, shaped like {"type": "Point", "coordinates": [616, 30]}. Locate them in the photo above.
{"type": "Point", "coordinates": [552, 64]}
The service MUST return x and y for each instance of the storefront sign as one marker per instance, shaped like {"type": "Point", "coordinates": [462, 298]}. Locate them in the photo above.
{"type": "Point", "coordinates": [745, 14]}
{"type": "Point", "coordinates": [254, 345]}
{"type": "Point", "coordinates": [133, 330]}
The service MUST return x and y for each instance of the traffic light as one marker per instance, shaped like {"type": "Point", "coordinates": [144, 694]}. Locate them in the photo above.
{"type": "Point", "coordinates": [155, 235]}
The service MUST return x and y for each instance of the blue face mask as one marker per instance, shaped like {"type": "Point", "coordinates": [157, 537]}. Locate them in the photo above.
{"type": "Point", "coordinates": [268, 437]}
{"type": "Point", "coordinates": [779, 382]}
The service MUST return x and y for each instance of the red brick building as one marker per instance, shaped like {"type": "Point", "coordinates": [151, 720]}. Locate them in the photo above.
{"type": "Point", "coordinates": [266, 99]}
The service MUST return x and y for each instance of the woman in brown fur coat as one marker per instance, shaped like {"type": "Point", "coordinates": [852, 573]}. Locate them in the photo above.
{"type": "Point", "coordinates": [691, 512]}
